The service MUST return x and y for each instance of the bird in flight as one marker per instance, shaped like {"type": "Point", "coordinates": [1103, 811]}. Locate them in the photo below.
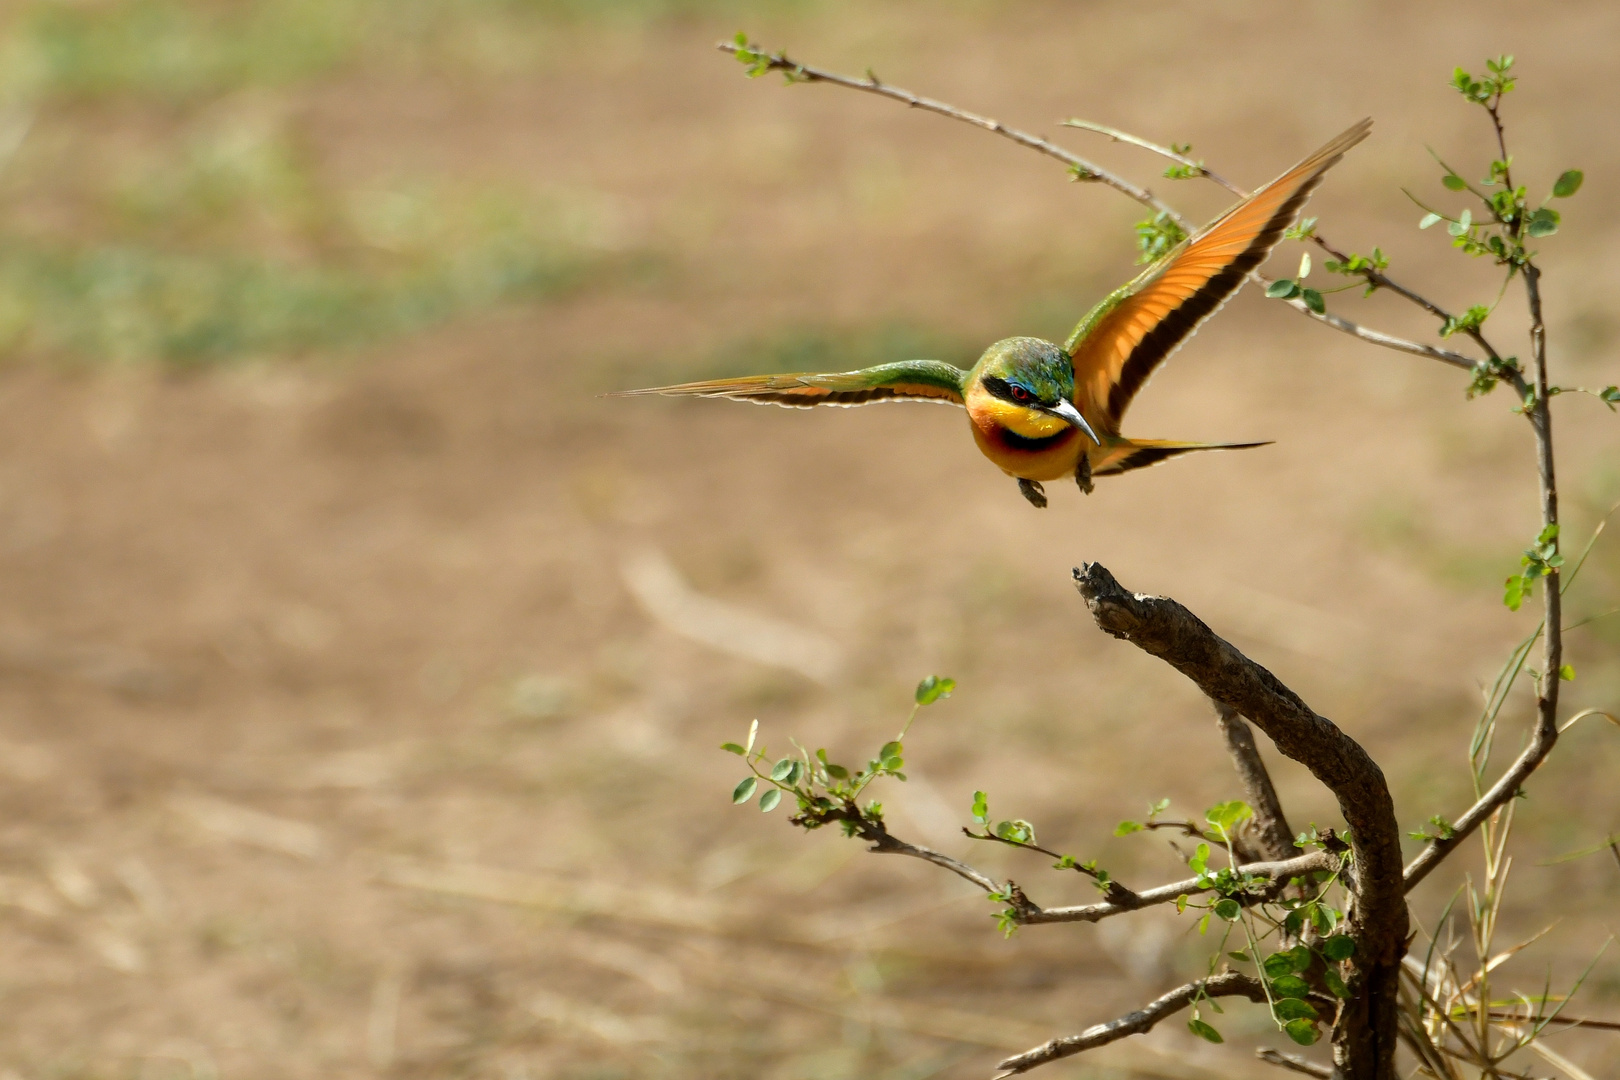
{"type": "Point", "coordinates": [1043, 411]}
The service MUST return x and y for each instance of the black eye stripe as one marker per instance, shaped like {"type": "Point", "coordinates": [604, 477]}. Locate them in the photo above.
{"type": "Point", "coordinates": [1006, 391]}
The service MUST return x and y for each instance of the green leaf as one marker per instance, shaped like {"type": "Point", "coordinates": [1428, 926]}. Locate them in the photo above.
{"type": "Point", "coordinates": [1200, 859]}
{"type": "Point", "coordinates": [1282, 289]}
{"type": "Point", "coordinates": [1181, 903]}
{"type": "Point", "coordinates": [837, 772]}
{"type": "Point", "coordinates": [1160, 806]}
{"type": "Point", "coordinates": [1339, 947]}
{"type": "Point", "coordinates": [745, 790]}
{"type": "Point", "coordinates": [783, 769]}
{"type": "Point", "coordinates": [1429, 219]}
{"type": "Point", "coordinates": [1278, 965]}
{"type": "Point", "coordinates": [1125, 828]}
{"type": "Point", "coordinates": [1453, 182]}
{"type": "Point", "coordinates": [1018, 831]}
{"type": "Point", "coordinates": [1302, 1031]}
{"type": "Point", "coordinates": [1305, 266]}
{"type": "Point", "coordinates": [1567, 673]}
{"type": "Point", "coordinates": [981, 807]}
{"type": "Point", "coordinates": [1228, 909]}
{"type": "Point", "coordinates": [732, 748]}
{"type": "Point", "coordinates": [1293, 1009]}
{"type": "Point", "coordinates": [1335, 984]}
{"type": "Point", "coordinates": [1544, 222]}
{"type": "Point", "coordinates": [1204, 1031]}
{"type": "Point", "coordinates": [1203, 925]}
{"type": "Point", "coordinates": [1513, 593]}
{"type": "Point", "coordinates": [753, 730]}
{"type": "Point", "coordinates": [1568, 183]}
{"type": "Point", "coordinates": [1289, 986]}
{"type": "Point", "coordinates": [1240, 955]}
{"type": "Point", "coordinates": [1225, 816]}
{"type": "Point", "coordinates": [1313, 300]}
{"type": "Point", "coordinates": [768, 801]}
{"type": "Point", "coordinates": [933, 688]}
{"type": "Point", "coordinates": [1300, 958]}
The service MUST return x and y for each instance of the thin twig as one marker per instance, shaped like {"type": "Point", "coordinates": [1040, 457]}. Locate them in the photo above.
{"type": "Point", "coordinates": [1277, 872]}
{"type": "Point", "coordinates": [1230, 984]}
{"type": "Point", "coordinates": [1082, 169]}
{"type": "Point", "coordinates": [1085, 170]}
{"type": "Point", "coordinates": [1197, 168]}
{"type": "Point", "coordinates": [1293, 1063]}
{"type": "Point", "coordinates": [1111, 888]}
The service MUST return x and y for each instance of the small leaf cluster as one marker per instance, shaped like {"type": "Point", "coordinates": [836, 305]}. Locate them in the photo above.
{"type": "Point", "coordinates": [1289, 288]}
{"type": "Point", "coordinates": [758, 62]}
{"type": "Point", "coordinates": [1366, 267]}
{"type": "Point", "coordinates": [1289, 992]}
{"type": "Point", "coordinates": [1016, 831]}
{"type": "Point", "coordinates": [1487, 373]}
{"type": "Point", "coordinates": [1156, 237]}
{"type": "Point", "coordinates": [1184, 170]}
{"type": "Point", "coordinates": [1467, 322]}
{"type": "Point", "coordinates": [1303, 229]}
{"type": "Point", "coordinates": [1540, 559]}
{"type": "Point", "coordinates": [1489, 90]}
{"type": "Point", "coordinates": [824, 790]}
{"type": "Point", "coordinates": [1511, 217]}
{"type": "Point", "coordinates": [1125, 828]}
{"type": "Point", "coordinates": [1443, 830]}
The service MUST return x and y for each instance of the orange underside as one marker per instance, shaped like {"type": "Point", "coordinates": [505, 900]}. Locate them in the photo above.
{"type": "Point", "coordinates": [1056, 462]}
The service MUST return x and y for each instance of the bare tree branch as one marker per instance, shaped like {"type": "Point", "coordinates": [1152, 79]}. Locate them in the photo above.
{"type": "Point", "coordinates": [1293, 1063]}
{"type": "Point", "coordinates": [1365, 1039]}
{"type": "Point", "coordinates": [1085, 170]}
{"type": "Point", "coordinates": [1277, 872]}
{"type": "Point", "coordinates": [1081, 168]}
{"type": "Point", "coordinates": [1230, 984]}
{"type": "Point", "coordinates": [1270, 823]}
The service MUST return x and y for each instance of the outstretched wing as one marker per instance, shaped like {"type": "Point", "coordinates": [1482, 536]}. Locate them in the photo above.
{"type": "Point", "coordinates": [914, 380]}
{"type": "Point", "coordinates": [1120, 343]}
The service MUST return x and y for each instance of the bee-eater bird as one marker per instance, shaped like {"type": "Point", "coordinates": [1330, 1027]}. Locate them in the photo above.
{"type": "Point", "coordinates": [1042, 411]}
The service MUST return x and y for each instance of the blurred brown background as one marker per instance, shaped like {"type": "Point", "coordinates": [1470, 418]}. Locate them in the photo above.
{"type": "Point", "coordinates": [351, 721]}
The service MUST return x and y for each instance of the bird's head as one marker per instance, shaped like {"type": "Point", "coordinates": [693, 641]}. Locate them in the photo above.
{"type": "Point", "coordinates": [1025, 385]}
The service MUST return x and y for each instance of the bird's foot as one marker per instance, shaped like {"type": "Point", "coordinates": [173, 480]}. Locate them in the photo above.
{"type": "Point", "coordinates": [1082, 474]}
{"type": "Point", "coordinates": [1032, 490]}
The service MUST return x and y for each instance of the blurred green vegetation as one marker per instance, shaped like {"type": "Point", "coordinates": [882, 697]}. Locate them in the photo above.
{"type": "Point", "coordinates": [218, 237]}
{"type": "Point", "coordinates": [178, 49]}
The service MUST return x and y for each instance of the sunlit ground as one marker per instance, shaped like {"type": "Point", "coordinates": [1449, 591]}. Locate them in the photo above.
{"type": "Point", "coordinates": [344, 728]}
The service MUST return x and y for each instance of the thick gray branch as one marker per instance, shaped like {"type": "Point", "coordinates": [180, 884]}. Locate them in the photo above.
{"type": "Point", "coordinates": [1231, 984]}
{"type": "Point", "coordinates": [1164, 894]}
{"type": "Point", "coordinates": [1270, 823]}
{"type": "Point", "coordinates": [1169, 631]}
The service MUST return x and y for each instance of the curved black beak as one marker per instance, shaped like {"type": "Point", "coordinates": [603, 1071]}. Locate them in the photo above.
{"type": "Point", "coordinates": [1067, 411]}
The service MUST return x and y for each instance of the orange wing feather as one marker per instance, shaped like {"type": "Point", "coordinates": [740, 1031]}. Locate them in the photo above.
{"type": "Point", "coordinates": [1120, 350]}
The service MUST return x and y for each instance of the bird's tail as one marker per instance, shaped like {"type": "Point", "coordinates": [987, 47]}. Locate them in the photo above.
{"type": "Point", "coordinates": [1128, 454]}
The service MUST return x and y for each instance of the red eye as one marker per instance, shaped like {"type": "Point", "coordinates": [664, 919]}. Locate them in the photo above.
{"type": "Point", "coordinates": [1020, 394]}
